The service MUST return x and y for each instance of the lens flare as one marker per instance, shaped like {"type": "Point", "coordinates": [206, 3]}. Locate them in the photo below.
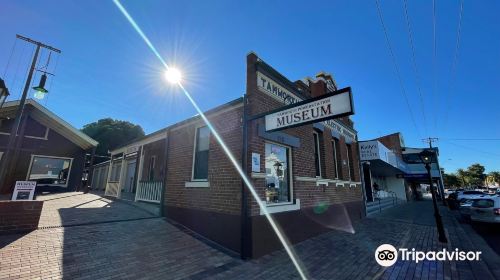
{"type": "Point", "coordinates": [279, 234]}
{"type": "Point", "coordinates": [173, 75]}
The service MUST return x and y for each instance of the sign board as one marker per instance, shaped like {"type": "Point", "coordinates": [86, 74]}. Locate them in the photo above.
{"type": "Point", "coordinates": [255, 162]}
{"type": "Point", "coordinates": [275, 90]}
{"type": "Point", "coordinates": [24, 190]}
{"type": "Point", "coordinates": [411, 176]}
{"type": "Point", "coordinates": [325, 107]}
{"type": "Point", "coordinates": [369, 150]}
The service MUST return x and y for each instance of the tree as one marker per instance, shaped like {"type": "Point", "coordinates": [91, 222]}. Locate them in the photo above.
{"type": "Point", "coordinates": [476, 174]}
{"type": "Point", "coordinates": [494, 177]}
{"type": "Point", "coordinates": [463, 177]}
{"type": "Point", "coordinates": [111, 134]}
{"type": "Point", "coordinates": [451, 180]}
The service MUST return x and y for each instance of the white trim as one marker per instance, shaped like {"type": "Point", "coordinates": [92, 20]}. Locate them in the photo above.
{"type": "Point", "coordinates": [196, 128]}
{"type": "Point", "coordinates": [58, 124]}
{"type": "Point", "coordinates": [57, 185]}
{"type": "Point", "coordinates": [340, 185]}
{"type": "Point", "coordinates": [259, 175]}
{"type": "Point", "coordinates": [281, 207]}
{"type": "Point", "coordinates": [352, 185]}
{"type": "Point", "coordinates": [197, 184]}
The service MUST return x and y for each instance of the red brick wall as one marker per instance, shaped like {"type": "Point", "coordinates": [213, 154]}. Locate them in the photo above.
{"type": "Point", "coordinates": [392, 142]}
{"type": "Point", "coordinates": [303, 164]}
{"type": "Point", "coordinates": [19, 216]}
{"type": "Point", "coordinates": [224, 193]}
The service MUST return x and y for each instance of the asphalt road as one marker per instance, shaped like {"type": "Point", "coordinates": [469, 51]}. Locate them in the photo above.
{"type": "Point", "coordinates": [490, 233]}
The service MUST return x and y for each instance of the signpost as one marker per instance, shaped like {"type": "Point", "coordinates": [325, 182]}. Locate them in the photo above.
{"type": "Point", "coordinates": [24, 190]}
{"type": "Point", "coordinates": [333, 105]}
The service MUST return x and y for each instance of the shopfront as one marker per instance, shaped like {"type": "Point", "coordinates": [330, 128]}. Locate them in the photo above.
{"type": "Point", "coordinates": [306, 176]}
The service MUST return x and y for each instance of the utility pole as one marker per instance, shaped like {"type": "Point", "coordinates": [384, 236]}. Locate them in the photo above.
{"type": "Point", "coordinates": [431, 140]}
{"type": "Point", "coordinates": [6, 163]}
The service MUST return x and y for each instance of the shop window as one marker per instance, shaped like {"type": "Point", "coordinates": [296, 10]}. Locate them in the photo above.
{"type": "Point", "coordinates": [152, 163]}
{"type": "Point", "coordinates": [335, 159]}
{"type": "Point", "coordinates": [277, 164]}
{"type": "Point", "coordinates": [350, 162]}
{"type": "Point", "coordinates": [317, 154]}
{"type": "Point", "coordinates": [49, 170]}
{"type": "Point", "coordinates": [200, 162]}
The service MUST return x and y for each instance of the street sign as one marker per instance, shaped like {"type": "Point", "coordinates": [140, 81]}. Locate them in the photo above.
{"type": "Point", "coordinates": [24, 190]}
{"type": "Point", "coordinates": [333, 105]}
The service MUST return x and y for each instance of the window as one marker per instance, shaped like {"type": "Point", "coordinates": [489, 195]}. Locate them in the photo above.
{"type": "Point", "coordinates": [350, 162]}
{"type": "Point", "coordinates": [278, 189]}
{"type": "Point", "coordinates": [49, 170]}
{"type": "Point", "coordinates": [483, 203]}
{"type": "Point", "coordinates": [317, 154]}
{"type": "Point", "coordinates": [200, 165]}
{"type": "Point", "coordinates": [338, 158]}
{"type": "Point", "coordinates": [152, 163]}
{"type": "Point", "coordinates": [335, 160]}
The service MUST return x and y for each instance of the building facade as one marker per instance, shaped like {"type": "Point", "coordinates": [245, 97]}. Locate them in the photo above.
{"type": "Point", "coordinates": [52, 152]}
{"type": "Point", "coordinates": [307, 177]}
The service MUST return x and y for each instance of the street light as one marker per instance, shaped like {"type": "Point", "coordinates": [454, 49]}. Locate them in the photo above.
{"type": "Point", "coordinates": [4, 92]}
{"type": "Point", "coordinates": [40, 89]}
{"type": "Point", "coordinates": [426, 157]}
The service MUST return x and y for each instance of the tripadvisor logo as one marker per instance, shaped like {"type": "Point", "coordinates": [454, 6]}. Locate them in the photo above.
{"type": "Point", "coordinates": [387, 255]}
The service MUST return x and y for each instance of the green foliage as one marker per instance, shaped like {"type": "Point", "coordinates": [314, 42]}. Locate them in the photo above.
{"type": "Point", "coordinates": [451, 180]}
{"type": "Point", "coordinates": [493, 177]}
{"type": "Point", "coordinates": [476, 174]}
{"type": "Point", "coordinates": [112, 134]}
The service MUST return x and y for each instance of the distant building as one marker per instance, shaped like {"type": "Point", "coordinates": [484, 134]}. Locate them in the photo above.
{"type": "Point", "coordinates": [308, 177]}
{"type": "Point", "coordinates": [393, 173]}
{"type": "Point", "coordinates": [52, 152]}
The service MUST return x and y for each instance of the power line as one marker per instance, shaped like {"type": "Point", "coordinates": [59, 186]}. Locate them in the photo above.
{"type": "Point", "coordinates": [455, 62]}
{"type": "Point", "coordinates": [434, 58]}
{"type": "Point", "coordinates": [473, 139]}
{"type": "Point", "coordinates": [415, 68]}
{"type": "Point", "coordinates": [474, 149]}
{"type": "Point", "coordinates": [396, 67]}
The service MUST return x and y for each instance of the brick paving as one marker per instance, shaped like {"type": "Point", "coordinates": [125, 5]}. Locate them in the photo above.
{"type": "Point", "coordinates": [155, 249]}
{"type": "Point", "coordinates": [76, 208]}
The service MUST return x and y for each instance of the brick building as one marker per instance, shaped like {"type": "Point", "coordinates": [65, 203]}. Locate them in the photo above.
{"type": "Point", "coordinates": [52, 152]}
{"type": "Point", "coordinates": [308, 176]}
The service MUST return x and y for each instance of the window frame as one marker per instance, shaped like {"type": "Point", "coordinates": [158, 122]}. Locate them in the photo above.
{"type": "Point", "coordinates": [54, 157]}
{"type": "Point", "coordinates": [153, 160]}
{"type": "Point", "coordinates": [335, 159]}
{"type": "Point", "coordinates": [196, 129]}
{"type": "Point", "coordinates": [290, 174]}
{"type": "Point", "coordinates": [317, 151]}
{"type": "Point", "coordinates": [348, 147]}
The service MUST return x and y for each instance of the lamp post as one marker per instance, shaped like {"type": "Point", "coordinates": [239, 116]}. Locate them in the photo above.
{"type": "Point", "coordinates": [426, 156]}
{"type": "Point", "coordinates": [4, 92]}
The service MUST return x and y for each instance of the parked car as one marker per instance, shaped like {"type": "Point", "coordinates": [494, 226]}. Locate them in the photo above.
{"type": "Point", "coordinates": [455, 198]}
{"type": "Point", "coordinates": [486, 209]}
{"type": "Point", "coordinates": [465, 208]}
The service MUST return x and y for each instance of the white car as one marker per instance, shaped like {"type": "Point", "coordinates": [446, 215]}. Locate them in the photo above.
{"type": "Point", "coordinates": [464, 195]}
{"type": "Point", "coordinates": [485, 209]}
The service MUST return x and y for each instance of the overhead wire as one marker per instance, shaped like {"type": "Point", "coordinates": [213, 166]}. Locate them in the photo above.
{"type": "Point", "coordinates": [453, 69]}
{"type": "Point", "coordinates": [434, 61]}
{"type": "Point", "coordinates": [414, 60]}
{"type": "Point", "coordinates": [394, 61]}
{"type": "Point", "coordinates": [473, 149]}
{"type": "Point", "coordinates": [10, 57]}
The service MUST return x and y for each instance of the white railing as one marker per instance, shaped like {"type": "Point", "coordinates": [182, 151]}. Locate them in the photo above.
{"type": "Point", "coordinates": [149, 191]}
{"type": "Point", "coordinates": [112, 189]}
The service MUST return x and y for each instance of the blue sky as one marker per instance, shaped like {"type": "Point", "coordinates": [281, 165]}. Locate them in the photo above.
{"type": "Point", "coordinates": [106, 70]}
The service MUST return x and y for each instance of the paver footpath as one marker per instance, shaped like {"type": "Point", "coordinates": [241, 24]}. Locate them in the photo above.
{"type": "Point", "coordinates": [153, 248]}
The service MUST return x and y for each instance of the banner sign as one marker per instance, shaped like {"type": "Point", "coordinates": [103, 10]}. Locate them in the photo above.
{"type": "Point", "coordinates": [333, 105]}
{"type": "Point", "coordinates": [24, 190]}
